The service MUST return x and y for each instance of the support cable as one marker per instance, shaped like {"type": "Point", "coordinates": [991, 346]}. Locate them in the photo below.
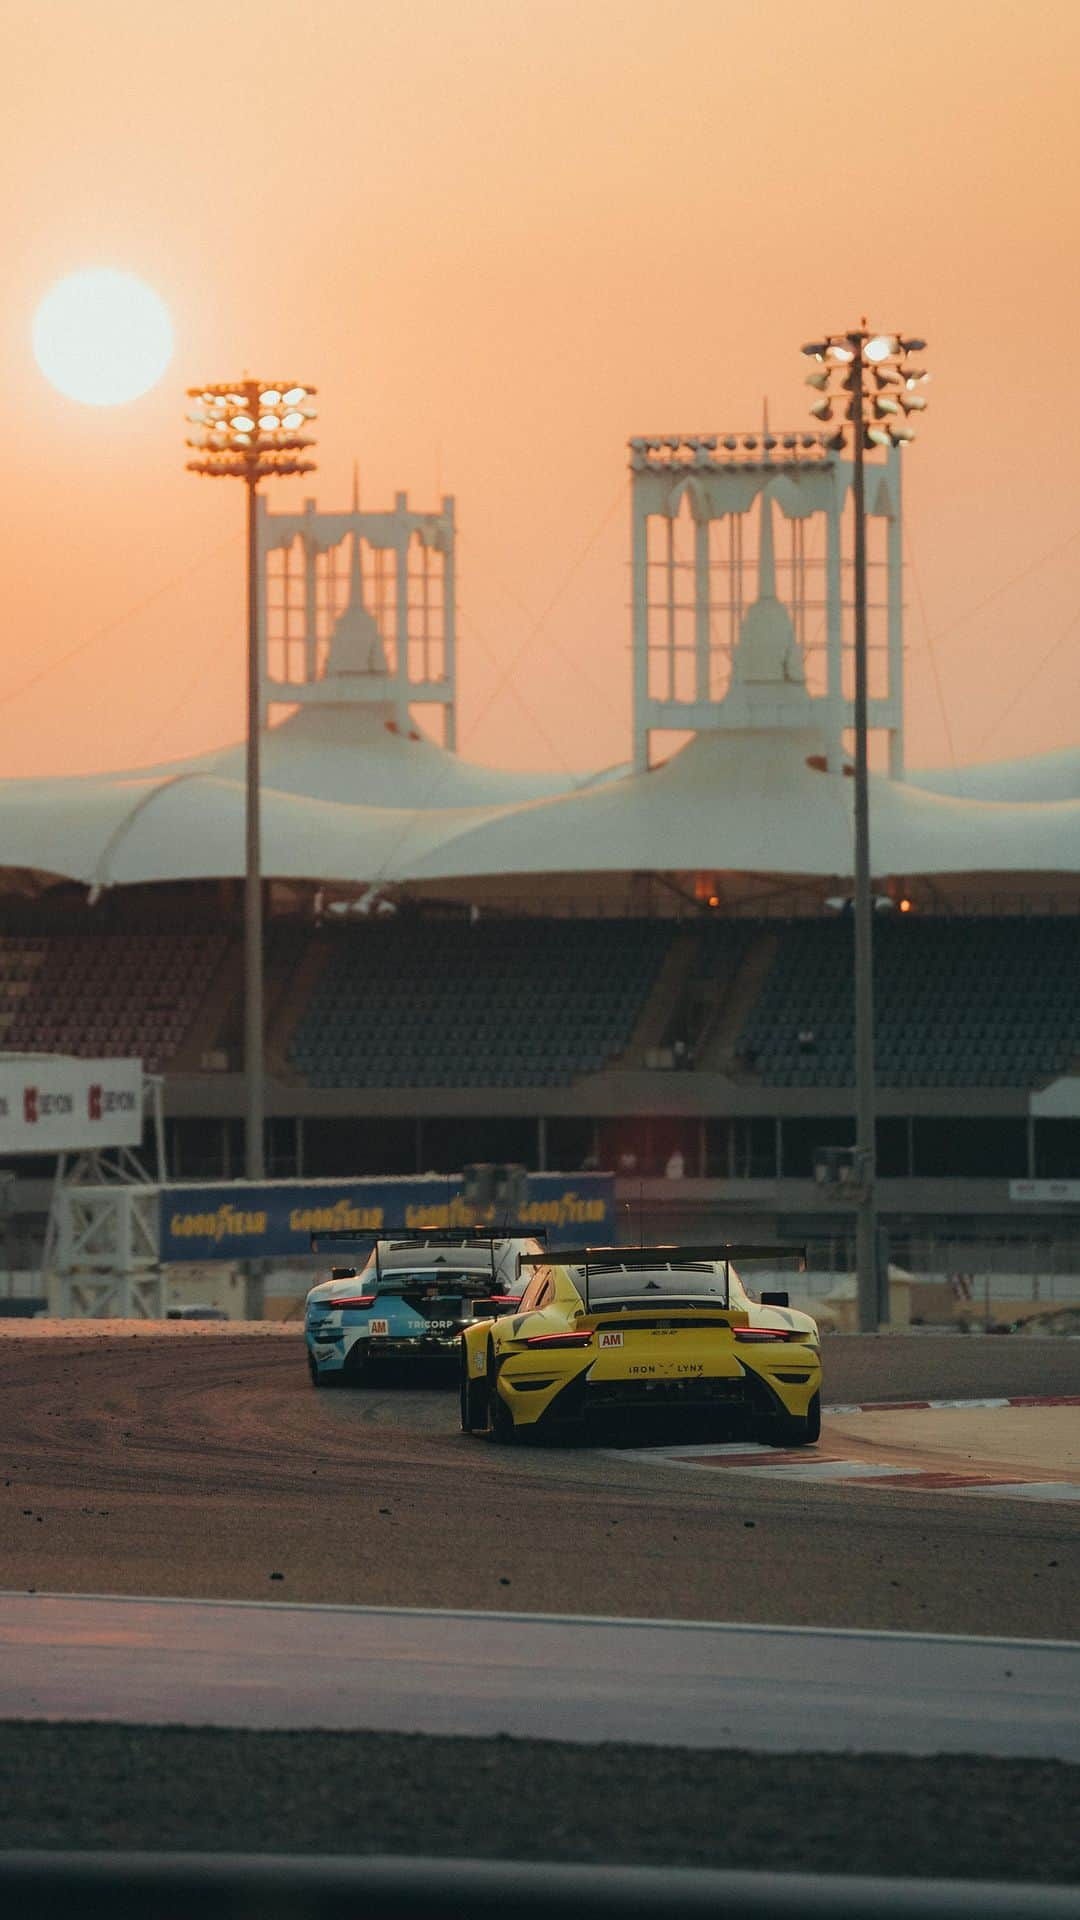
{"type": "Point", "coordinates": [1013, 581]}
{"type": "Point", "coordinates": [539, 624]}
{"type": "Point", "coordinates": [1067, 630]}
{"type": "Point", "coordinates": [113, 626]}
{"type": "Point", "coordinates": [473, 632]}
{"type": "Point", "coordinates": [501, 681]}
{"type": "Point", "coordinates": [197, 679]}
{"type": "Point", "coordinates": [931, 648]}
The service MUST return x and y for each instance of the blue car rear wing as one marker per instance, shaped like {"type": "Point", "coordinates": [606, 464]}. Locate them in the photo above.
{"type": "Point", "coordinates": [423, 1237]}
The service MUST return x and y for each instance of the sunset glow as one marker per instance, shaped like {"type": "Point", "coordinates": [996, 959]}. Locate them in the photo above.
{"type": "Point", "coordinates": [501, 239]}
{"type": "Point", "coordinates": [102, 337]}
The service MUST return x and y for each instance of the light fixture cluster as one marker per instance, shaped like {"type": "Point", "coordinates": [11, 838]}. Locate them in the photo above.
{"type": "Point", "coordinates": [711, 451]}
{"type": "Point", "coordinates": [250, 430]}
{"type": "Point", "coordinates": [870, 382]}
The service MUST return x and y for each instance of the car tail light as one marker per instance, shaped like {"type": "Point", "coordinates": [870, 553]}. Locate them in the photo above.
{"type": "Point", "coordinates": [753, 1334]}
{"type": "Point", "coordinates": [559, 1340]}
{"type": "Point", "coordinates": [352, 1300]}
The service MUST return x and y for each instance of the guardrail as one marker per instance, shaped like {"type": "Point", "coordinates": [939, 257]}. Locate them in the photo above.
{"type": "Point", "coordinates": [53, 1886]}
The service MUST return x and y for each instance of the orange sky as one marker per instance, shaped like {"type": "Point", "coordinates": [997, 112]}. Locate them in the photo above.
{"type": "Point", "coordinates": [500, 238]}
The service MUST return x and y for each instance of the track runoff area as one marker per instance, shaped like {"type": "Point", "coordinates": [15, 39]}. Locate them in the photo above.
{"type": "Point", "coordinates": [953, 1448]}
{"type": "Point", "coordinates": [854, 1628]}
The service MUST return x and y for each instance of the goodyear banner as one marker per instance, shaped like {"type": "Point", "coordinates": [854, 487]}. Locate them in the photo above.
{"type": "Point", "coordinates": [276, 1220]}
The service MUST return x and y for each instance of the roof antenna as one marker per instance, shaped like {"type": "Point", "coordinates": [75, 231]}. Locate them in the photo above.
{"type": "Point", "coordinates": [356, 486]}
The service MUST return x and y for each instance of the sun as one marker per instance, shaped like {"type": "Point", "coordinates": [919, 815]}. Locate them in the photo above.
{"type": "Point", "coordinates": [102, 337]}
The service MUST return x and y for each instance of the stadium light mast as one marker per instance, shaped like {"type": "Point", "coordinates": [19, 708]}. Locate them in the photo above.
{"type": "Point", "coordinates": [867, 381]}
{"type": "Point", "coordinates": [251, 431]}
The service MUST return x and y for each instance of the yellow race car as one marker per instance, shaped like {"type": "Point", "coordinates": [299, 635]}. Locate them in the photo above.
{"type": "Point", "coordinates": [636, 1331]}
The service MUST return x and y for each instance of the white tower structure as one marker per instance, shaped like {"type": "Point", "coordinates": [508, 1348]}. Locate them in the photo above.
{"type": "Point", "coordinates": [359, 607]}
{"type": "Point", "coordinates": [742, 600]}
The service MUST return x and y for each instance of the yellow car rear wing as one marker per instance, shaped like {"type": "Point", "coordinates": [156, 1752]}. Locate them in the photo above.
{"type": "Point", "coordinates": [644, 1259]}
{"type": "Point", "coordinates": [667, 1255]}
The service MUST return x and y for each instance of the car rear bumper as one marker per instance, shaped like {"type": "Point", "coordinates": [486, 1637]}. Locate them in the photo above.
{"type": "Point", "coordinates": [740, 1401]}
{"type": "Point", "coordinates": [695, 1390]}
{"type": "Point", "coordinates": [414, 1346]}
{"type": "Point", "coordinates": [337, 1350]}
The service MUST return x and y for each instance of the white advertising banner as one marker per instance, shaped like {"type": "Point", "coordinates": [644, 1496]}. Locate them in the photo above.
{"type": "Point", "coordinates": [1061, 1098]}
{"type": "Point", "coordinates": [1045, 1191]}
{"type": "Point", "coordinates": [50, 1104]}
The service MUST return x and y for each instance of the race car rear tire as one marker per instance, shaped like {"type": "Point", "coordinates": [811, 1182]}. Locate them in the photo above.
{"type": "Point", "coordinates": [500, 1419]}
{"type": "Point", "coordinates": [793, 1431]}
{"type": "Point", "coordinates": [473, 1395]}
{"type": "Point", "coordinates": [357, 1369]}
{"type": "Point", "coordinates": [320, 1379]}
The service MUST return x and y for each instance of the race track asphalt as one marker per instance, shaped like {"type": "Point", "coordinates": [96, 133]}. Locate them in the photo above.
{"type": "Point", "coordinates": [210, 1468]}
{"type": "Point", "coordinates": [204, 1465]}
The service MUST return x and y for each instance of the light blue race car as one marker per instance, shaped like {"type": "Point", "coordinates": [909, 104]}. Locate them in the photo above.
{"type": "Point", "coordinates": [411, 1301]}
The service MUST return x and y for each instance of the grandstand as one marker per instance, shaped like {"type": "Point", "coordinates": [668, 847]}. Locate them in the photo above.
{"type": "Point", "coordinates": [648, 968]}
{"type": "Point", "coordinates": [965, 1003]}
{"type": "Point", "coordinates": [105, 995]}
{"type": "Point", "coordinates": [528, 1003]}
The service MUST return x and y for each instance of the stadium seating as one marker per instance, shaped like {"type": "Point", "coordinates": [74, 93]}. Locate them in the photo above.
{"type": "Point", "coordinates": [501, 1003]}
{"type": "Point", "coordinates": [414, 1002]}
{"type": "Point", "coordinates": [104, 995]}
{"type": "Point", "coordinates": [958, 1003]}
{"type": "Point", "coordinates": [723, 946]}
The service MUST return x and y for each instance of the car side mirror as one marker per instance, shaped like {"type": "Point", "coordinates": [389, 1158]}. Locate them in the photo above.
{"type": "Point", "coordinates": [775, 1300]}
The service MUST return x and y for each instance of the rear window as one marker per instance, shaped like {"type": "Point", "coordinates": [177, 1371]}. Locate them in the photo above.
{"type": "Point", "coordinates": [692, 1282]}
{"type": "Point", "coordinates": [446, 1279]}
{"type": "Point", "coordinates": [456, 1260]}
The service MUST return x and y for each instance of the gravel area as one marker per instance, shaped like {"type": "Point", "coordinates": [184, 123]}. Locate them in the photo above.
{"type": "Point", "coordinates": [92, 1787]}
{"type": "Point", "coordinates": [145, 1329]}
{"type": "Point", "coordinates": [207, 1467]}
{"type": "Point", "coordinates": [945, 1366]}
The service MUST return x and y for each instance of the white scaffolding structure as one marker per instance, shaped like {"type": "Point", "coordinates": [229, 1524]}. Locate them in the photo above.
{"type": "Point", "coordinates": [695, 562]}
{"type": "Point", "coordinates": [366, 597]}
{"type": "Point", "coordinates": [102, 1240]}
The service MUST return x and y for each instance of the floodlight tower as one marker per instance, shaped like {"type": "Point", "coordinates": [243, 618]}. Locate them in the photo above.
{"type": "Point", "coordinates": [251, 431]}
{"type": "Point", "coordinates": [870, 380]}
